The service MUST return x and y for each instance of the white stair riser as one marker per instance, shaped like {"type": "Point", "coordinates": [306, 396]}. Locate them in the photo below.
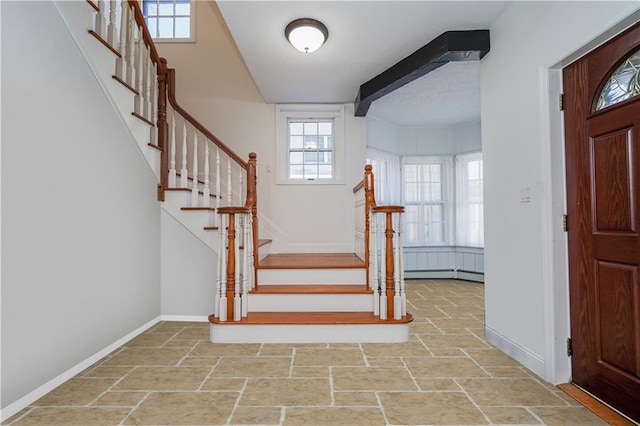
{"type": "Point", "coordinates": [310, 303]}
{"type": "Point", "coordinates": [310, 333]}
{"type": "Point", "coordinates": [311, 276]}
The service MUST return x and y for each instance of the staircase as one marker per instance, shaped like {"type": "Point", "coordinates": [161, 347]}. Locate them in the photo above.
{"type": "Point", "coordinates": [211, 191]}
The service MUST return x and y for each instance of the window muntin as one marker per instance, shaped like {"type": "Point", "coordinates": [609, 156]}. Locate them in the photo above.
{"type": "Point", "coordinates": [426, 200]}
{"type": "Point", "coordinates": [169, 19]}
{"type": "Point", "coordinates": [470, 200]}
{"type": "Point", "coordinates": [623, 84]}
{"type": "Point", "coordinates": [310, 149]}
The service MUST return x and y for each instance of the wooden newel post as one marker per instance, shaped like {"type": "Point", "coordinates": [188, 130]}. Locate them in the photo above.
{"type": "Point", "coordinates": [231, 264]}
{"type": "Point", "coordinates": [389, 264]}
{"type": "Point", "coordinates": [252, 196]}
{"type": "Point", "coordinates": [163, 128]}
{"type": "Point", "coordinates": [369, 202]}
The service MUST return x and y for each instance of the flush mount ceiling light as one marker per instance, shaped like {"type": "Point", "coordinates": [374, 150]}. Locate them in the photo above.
{"type": "Point", "coordinates": [306, 34]}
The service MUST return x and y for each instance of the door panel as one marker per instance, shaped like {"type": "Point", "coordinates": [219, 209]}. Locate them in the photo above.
{"type": "Point", "coordinates": [603, 180]}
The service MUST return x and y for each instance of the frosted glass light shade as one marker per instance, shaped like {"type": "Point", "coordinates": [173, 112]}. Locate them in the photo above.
{"type": "Point", "coordinates": [306, 34]}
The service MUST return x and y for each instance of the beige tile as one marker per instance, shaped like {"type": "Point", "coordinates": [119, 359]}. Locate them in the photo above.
{"type": "Point", "coordinates": [76, 392]}
{"type": "Point", "coordinates": [256, 416]}
{"type": "Point", "coordinates": [18, 415]}
{"type": "Point", "coordinates": [408, 349]}
{"type": "Point", "coordinates": [147, 356]}
{"type": "Point", "coordinates": [443, 367]}
{"type": "Point", "coordinates": [563, 416]}
{"type": "Point", "coordinates": [371, 378]}
{"type": "Point", "coordinates": [385, 361]}
{"type": "Point", "coordinates": [85, 416]}
{"type": "Point", "coordinates": [508, 372]}
{"type": "Point", "coordinates": [344, 346]}
{"type": "Point", "coordinates": [310, 372]}
{"type": "Point", "coordinates": [350, 416]}
{"type": "Point", "coordinates": [286, 392]}
{"type": "Point", "coordinates": [275, 350]}
{"type": "Point", "coordinates": [448, 353]}
{"type": "Point", "coordinates": [151, 340]}
{"type": "Point", "coordinates": [423, 328]}
{"type": "Point", "coordinates": [181, 343]}
{"type": "Point", "coordinates": [450, 323]}
{"type": "Point", "coordinates": [491, 392]}
{"type": "Point", "coordinates": [184, 408]}
{"type": "Point", "coordinates": [432, 408]}
{"type": "Point", "coordinates": [199, 361]}
{"type": "Point", "coordinates": [120, 399]}
{"type": "Point", "coordinates": [193, 333]}
{"type": "Point", "coordinates": [164, 378]}
{"type": "Point", "coordinates": [466, 341]}
{"type": "Point", "coordinates": [509, 415]}
{"type": "Point", "coordinates": [246, 366]}
{"type": "Point", "coordinates": [491, 358]}
{"type": "Point", "coordinates": [328, 357]}
{"type": "Point", "coordinates": [438, 385]}
{"type": "Point", "coordinates": [224, 349]}
{"type": "Point", "coordinates": [166, 328]}
{"type": "Point", "coordinates": [106, 371]}
{"type": "Point", "coordinates": [360, 399]}
{"type": "Point", "coordinates": [223, 384]}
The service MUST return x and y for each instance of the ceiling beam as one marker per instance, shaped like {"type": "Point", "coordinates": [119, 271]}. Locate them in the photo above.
{"type": "Point", "coordinates": [447, 47]}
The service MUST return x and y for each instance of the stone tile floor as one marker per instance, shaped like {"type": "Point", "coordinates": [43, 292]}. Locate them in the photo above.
{"type": "Point", "coordinates": [447, 374]}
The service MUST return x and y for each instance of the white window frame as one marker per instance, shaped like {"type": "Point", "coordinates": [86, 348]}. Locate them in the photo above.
{"type": "Point", "coordinates": [287, 112]}
{"type": "Point", "coordinates": [448, 201]}
{"type": "Point", "coordinates": [462, 200]}
{"type": "Point", "coordinates": [192, 25]}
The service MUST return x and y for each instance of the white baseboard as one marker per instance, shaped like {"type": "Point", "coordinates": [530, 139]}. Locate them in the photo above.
{"type": "Point", "coordinates": [445, 274]}
{"type": "Point", "coordinates": [185, 318]}
{"type": "Point", "coordinates": [38, 393]}
{"type": "Point", "coordinates": [532, 361]}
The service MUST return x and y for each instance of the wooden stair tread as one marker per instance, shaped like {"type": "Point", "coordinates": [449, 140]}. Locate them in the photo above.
{"type": "Point", "coordinates": [211, 209]}
{"type": "Point", "coordinates": [311, 261]}
{"type": "Point", "coordinates": [312, 289]}
{"type": "Point", "coordinates": [262, 242]}
{"type": "Point", "coordinates": [319, 318]}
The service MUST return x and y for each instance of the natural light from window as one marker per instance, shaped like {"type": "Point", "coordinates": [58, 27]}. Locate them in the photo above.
{"type": "Point", "coordinates": [168, 19]}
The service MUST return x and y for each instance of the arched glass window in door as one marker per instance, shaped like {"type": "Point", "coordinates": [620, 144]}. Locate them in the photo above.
{"type": "Point", "coordinates": [623, 84]}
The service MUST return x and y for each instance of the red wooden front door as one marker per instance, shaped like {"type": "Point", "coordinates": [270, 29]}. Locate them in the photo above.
{"type": "Point", "coordinates": [603, 198]}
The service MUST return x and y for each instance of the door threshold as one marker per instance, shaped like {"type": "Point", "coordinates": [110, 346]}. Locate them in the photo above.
{"type": "Point", "coordinates": [595, 405]}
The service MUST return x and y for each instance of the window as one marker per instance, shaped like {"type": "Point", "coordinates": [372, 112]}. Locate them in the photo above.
{"type": "Point", "coordinates": [310, 144]}
{"type": "Point", "coordinates": [426, 200]}
{"type": "Point", "coordinates": [386, 175]}
{"type": "Point", "coordinates": [170, 19]}
{"type": "Point", "coordinates": [623, 84]}
{"type": "Point", "coordinates": [469, 205]}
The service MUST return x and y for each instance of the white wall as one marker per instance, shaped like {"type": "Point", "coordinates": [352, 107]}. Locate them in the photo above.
{"type": "Point", "coordinates": [446, 140]}
{"type": "Point", "coordinates": [529, 38]}
{"type": "Point", "coordinates": [213, 84]}
{"type": "Point", "coordinates": [80, 223]}
{"type": "Point", "coordinates": [188, 271]}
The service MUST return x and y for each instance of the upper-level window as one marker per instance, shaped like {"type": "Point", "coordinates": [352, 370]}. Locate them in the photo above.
{"type": "Point", "coordinates": [310, 144]}
{"type": "Point", "coordinates": [170, 20]}
{"type": "Point", "coordinates": [623, 84]}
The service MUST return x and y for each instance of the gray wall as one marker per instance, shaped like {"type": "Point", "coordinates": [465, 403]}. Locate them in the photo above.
{"type": "Point", "coordinates": [80, 223]}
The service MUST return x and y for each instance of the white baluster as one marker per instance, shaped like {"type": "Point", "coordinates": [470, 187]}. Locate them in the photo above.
{"type": "Point", "coordinates": [217, 194]}
{"type": "Point", "coordinates": [194, 188]}
{"type": "Point", "coordinates": [237, 303]}
{"type": "Point", "coordinates": [397, 297]}
{"type": "Point", "coordinates": [131, 62]}
{"type": "Point", "coordinates": [403, 289]}
{"type": "Point", "coordinates": [140, 71]}
{"type": "Point", "coordinates": [172, 152]}
{"type": "Point", "coordinates": [223, 270]}
{"type": "Point", "coordinates": [111, 26]}
{"type": "Point", "coordinates": [121, 62]}
{"type": "Point", "coordinates": [245, 263]}
{"type": "Point", "coordinates": [383, 276]}
{"type": "Point", "coordinates": [100, 23]}
{"type": "Point", "coordinates": [206, 191]}
{"type": "Point", "coordinates": [154, 103]}
{"type": "Point", "coordinates": [229, 199]}
{"type": "Point", "coordinates": [373, 262]}
{"type": "Point", "coordinates": [241, 191]}
{"type": "Point", "coordinates": [146, 110]}
{"type": "Point", "coordinates": [183, 171]}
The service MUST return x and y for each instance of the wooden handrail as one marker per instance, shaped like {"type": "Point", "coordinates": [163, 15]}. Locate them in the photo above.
{"type": "Point", "coordinates": [146, 36]}
{"type": "Point", "coordinates": [171, 77]}
{"type": "Point", "coordinates": [359, 186]}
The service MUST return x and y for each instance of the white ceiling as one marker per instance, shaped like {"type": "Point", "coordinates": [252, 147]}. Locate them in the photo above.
{"type": "Point", "coordinates": [365, 38]}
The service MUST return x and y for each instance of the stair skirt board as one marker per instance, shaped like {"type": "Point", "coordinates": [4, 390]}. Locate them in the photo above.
{"type": "Point", "coordinates": [311, 276]}
{"type": "Point", "coordinates": [310, 333]}
{"type": "Point", "coordinates": [310, 302]}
